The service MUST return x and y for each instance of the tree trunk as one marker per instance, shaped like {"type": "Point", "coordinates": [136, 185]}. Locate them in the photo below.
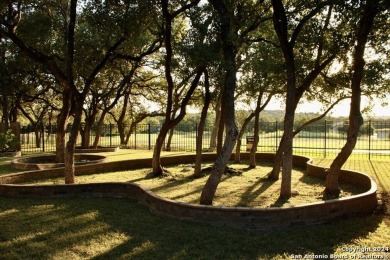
{"type": "Point", "coordinates": [13, 114]}
{"type": "Point", "coordinates": [221, 126]}
{"type": "Point", "coordinates": [355, 117]}
{"type": "Point", "coordinates": [171, 131]}
{"type": "Point", "coordinates": [71, 144]}
{"type": "Point", "coordinates": [219, 166]}
{"type": "Point", "coordinates": [214, 131]}
{"type": "Point", "coordinates": [69, 162]}
{"type": "Point", "coordinates": [285, 190]}
{"type": "Point", "coordinates": [99, 129]}
{"type": "Point", "coordinates": [60, 136]}
{"type": "Point", "coordinates": [237, 155]}
{"type": "Point", "coordinates": [200, 130]}
{"type": "Point", "coordinates": [122, 133]}
{"type": "Point", "coordinates": [62, 120]}
{"type": "Point", "coordinates": [121, 126]}
{"type": "Point", "coordinates": [5, 111]}
{"type": "Point", "coordinates": [229, 51]}
{"type": "Point", "coordinates": [284, 152]}
{"type": "Point", "coordinates": [37, 136]}
{"type": "Point", "coordinates": [252, 158]}
{"type": "Point", "coordinates": [252, 163]}
{"type": "Point", "coordinates": [133, 128]}
{"type": "Point", "coordinates": [274, 174]}
{"type": "Point", "coordinates": [156, 162]}
{"type": "Point", "coordinates": [169, 141]}
{"type": "Point", "coordinates": [85, 135]}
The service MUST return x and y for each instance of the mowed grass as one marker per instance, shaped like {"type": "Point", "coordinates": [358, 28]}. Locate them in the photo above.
{"type": "Point", "coordinates": [115, 228]}
{"type": "Point", "coordinates": [123, 229]}
{"type": "Point", "coordinates": [5, 166]}
{"type": "Point", "coordinates": [378, 170]}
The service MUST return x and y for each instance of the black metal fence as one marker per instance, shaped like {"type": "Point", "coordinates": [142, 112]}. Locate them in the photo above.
{"type": "Point", "coordinates": [321, 139]}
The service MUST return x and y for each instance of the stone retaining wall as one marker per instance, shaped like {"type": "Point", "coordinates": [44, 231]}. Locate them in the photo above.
{"type": "Point", "coordinates": [33, 163]}
{"type": "Point", "coordinates": [99, 149]}
{"type": "Point", "coordinates": [241, 217]}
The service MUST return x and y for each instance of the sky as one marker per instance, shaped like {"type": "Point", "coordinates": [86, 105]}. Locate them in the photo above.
{"type": "Point", "coordinates": [340, 110]}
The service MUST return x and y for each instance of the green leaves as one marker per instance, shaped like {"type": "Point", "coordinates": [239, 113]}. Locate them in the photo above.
{"type": "Point", "coordinates": [7, 140]}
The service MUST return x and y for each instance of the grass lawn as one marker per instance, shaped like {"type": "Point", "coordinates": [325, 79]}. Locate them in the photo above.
{"type": "Point", "coordinates": [77, 228]}
{"type": "Point", "coordinates": [378, 170]}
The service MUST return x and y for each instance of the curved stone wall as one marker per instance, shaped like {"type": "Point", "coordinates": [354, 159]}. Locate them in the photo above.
{"type": "Point", "coordinates": [99, 149]}
{"type": "Point", "coordinates": [35, 163]}
{"type": "Point", "coordinates": [241, 217]}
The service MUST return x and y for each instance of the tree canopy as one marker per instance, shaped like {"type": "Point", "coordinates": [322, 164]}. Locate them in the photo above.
{"type": "Point", "coordinates": [84, 61]}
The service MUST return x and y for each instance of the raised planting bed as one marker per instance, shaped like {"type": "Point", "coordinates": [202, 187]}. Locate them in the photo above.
{"type": "Point", "coordinates": [48, 161]}
{"type": "Point", "coordinates": [239, 217]}
{"type": "Point", "coordinates": [99, 149]}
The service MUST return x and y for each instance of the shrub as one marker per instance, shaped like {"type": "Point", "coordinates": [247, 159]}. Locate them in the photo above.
{"type": "Point", "coordinates": [7, 141]}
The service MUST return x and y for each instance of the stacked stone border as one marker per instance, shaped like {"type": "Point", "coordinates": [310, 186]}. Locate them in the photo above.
{"type": "Point", "coordinates": [35, 163]}
{"type": "Point", "coordinates": [239, 217]}
{"type": "Point", "coordinates": [99, 149]}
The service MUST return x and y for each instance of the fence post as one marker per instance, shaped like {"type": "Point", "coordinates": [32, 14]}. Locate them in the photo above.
{"type": "Point", "coordinates": [369, 140]}
{"type": "Point", "coordinates": [110, 134]}
{"type": "Point", "coordinates": [196, 132]}
{"type": "Point", "coordinates": [135, 137]}
{"type": "Point", "coordinates": [43, 138]}
{"type": "Point", "coordinates": [325, 130]}
{"type": "Point", "coordinates": [149, 145]}
{"type": "Point", "coordinates": [276, 135]}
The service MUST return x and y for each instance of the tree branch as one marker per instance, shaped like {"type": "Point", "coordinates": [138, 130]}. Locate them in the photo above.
{"type": "Point", "coordinates": [70, 42]}
{"type": "Point", "coordinates": [184, 8]}
{"type": "Point", "coordinates": [304, 125]}
{"type": "Point", "coordinates": [102, 63]}
{"type": "Point", "coordinates": [155, 46]}
{"type": "Point", "coordinates": [305, 19]}
{"type": "Point", "coordinates": [313, 75]}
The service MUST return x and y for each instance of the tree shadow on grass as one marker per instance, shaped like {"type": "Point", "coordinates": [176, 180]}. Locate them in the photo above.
{"type": "Point", "coordinates": [380, 172]}
{"type": "Point", "coordinates": [255, 190]}
{"type": "Point", "coordinates": [193, 191]}
{"type": "Point", "coordinates": [122, 228]}
{"type": "Point", "coordinates": [171, 184]}
{"type": "Point", "coordinates": [229, 171]}
{"type": "Point", "coordinates": [345, 187]}
{"type": "Point", "coordinates": [167, 183]}
{"type": "Point", "coordinates": [279, 202]}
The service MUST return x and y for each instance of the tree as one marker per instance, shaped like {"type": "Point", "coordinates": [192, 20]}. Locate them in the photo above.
{"type": "Point", "coordinates": [236, 22]}
{"type": "Point", "coordinates": [124, 75]}
{"type": "Point", "coordinates": [216, 97]}
{"type": "Point", "coordinates": [133, 111]}
{"type": "Point", "coordinates": [228, 36]}
{"type": "Point", "coordinates": [9, 83]}
{"type": "Point", "coordinates": [200, 130]}
{"type": "Point", "coordinates": [260, 80]}
{"type": "Point", "coordinates": [172, 120]}
{"type": "Point", "coordinates": [82, 49]}
{"type": "Point", "coordinates": [370, 11]}
{"type": "Point", "coordinates": [36, 104]}
{"type": "Point", "coordinates": [323, 50]}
